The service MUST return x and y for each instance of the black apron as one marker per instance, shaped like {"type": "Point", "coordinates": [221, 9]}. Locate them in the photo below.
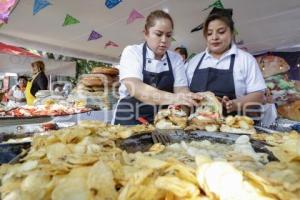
{"type": "Point", "coordinates": [218, 81]}
{"type": "Point", "coordinates": [130, 109]}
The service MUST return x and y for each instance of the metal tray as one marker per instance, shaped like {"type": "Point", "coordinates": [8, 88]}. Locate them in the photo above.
{"type": "Point", "coordinates": [144, 141]}
{"type": "Point", "coordinates": [10, 151]}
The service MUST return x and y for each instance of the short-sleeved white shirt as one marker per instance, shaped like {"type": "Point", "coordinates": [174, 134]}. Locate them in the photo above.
{"type": "Point", "coordinates": [131, 66]}
{"type": "Point", "coordinates": [246, 73]}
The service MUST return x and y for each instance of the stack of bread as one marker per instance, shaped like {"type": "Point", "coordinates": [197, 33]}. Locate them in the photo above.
{"type": "Point", "coordinates": [97, 89]}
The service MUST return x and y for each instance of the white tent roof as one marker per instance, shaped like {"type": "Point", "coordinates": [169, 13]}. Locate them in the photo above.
{"type": "Point", "coordinates": [22, 65]}
{"type": "Point", "coordinates": [261, 24]}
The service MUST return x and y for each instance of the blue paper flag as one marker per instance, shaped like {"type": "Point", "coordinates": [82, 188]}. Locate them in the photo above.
{"type": "Point", "coordinates": [39, 5]}
{"type": "Point", "coordinates": [112, 3]}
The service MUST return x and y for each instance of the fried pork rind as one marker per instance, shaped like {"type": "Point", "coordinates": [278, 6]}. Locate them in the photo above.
{"type": "Point", "coordinates": [157, 148]}
{"type": "Point", "coordinates": [87, 164]}
{"type": "Point", "coordinates": [171, 118]}
{"type": "Point", "coordinates": [288, 149]}
{"type": "Point", "coordinates": [152, 180]}
{"type": "Point", "coordinates": [220, 180]}
{"type": "Point", "coordinates": [100, 182]}
{"type": "Point", "coordinates": [238, 124]}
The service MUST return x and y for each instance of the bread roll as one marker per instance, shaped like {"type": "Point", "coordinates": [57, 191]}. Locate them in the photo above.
{"type": "Point", "coordinates": [290, 111]}
{"type": "Point", "coordinates": [92, 81]}
{"type": "Point", "coordinates": [105, 70]}
{"type": "Point", "coordinates": [272, 65]}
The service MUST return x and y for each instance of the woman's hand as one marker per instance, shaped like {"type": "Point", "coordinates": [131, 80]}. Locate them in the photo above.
{"type": "Point", "coordinates": [230, 105]}
{"type": "Point", "coordinates": [188, 99]}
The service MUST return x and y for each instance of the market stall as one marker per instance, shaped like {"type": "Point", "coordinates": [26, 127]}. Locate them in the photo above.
{"type": "Point", "coordinates": [64, 146]}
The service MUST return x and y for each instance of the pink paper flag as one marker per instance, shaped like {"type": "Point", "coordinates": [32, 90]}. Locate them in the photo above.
{"type": "Point", "coordinates": [133, 16]}
{"type": "Point", "coordinates": [94, 35]}
{"type": "Point", "coordinates": [6, 4]}
{"type": "Point", "coordinates": [110, 43]}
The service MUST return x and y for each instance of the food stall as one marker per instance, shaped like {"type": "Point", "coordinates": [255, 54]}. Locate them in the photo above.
{"type": "Point", "coordinates": [66, 148]}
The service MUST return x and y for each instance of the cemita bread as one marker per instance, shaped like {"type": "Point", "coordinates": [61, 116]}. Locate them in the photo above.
{"type": "Point", "coordinates": [172, 118]}
{"type": "Point", "coordinates": [272, 65]}
{"type": "Point", "coordinates": [91, 81]}
{"type": "Point", "coordinates": [290, 111]}
{"type": "Point", "coordinates": [105, 70]}
{"type": "Point", "coordinates": [208, 115]}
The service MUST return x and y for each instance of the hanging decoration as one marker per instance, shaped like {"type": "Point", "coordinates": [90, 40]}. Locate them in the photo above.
{"type": "Point", "coordinates": [112, 3]}
{"type": "Point", "coordinates": [216, 4]}
{"type": "Point", "coordinates": [133, 16]}
{"type": "Point", "coordinates": [4, 17]}
{"type": "Point", "coordinates": [94, 35]}
{"type": "Point", "coordinates": [6, 7]}
{"type": "Point", "coordinates": [69, 20]}
{"type": "Point", "coordinates": [111, 43]}
{"type": "Point", "coordinates": [173, 39]}
{"type": "Point", "coordinates": [39, 5]}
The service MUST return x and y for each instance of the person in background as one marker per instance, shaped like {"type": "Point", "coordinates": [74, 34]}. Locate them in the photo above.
{"type": "Point", "coordinates": [151, 75]}
{"type": "Point", "coordinates": [39, 81]}
{"type": "Point", "coordinates": [16, 95]}
{"type": "Point", "coordinates": [232, 74]}
{"type": "Point", "coordinates": [182, 51]}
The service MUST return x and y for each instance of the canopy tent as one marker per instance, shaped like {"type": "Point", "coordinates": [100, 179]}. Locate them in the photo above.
{"type": "Point", "coordinates": [18, 60]}
{"type": "Point", "coordinates": [12, 50]}
{"type": "Point", "coordinates": [261, 25]}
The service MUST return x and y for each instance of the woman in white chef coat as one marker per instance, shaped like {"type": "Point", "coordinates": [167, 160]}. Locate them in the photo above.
{"type": "Point", "coordinates": [151, 75]}
{"type": "Point", "coordinates": [229, 72]}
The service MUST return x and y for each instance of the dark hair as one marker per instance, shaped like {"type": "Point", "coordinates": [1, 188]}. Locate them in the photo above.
{"type": "Point", "coordinates": [40, 64]}
{"type": "Point", "coordinates": [224, 18]}
{"type": "Point", "coordinates": [153, 16]}
{"type": "Point", "coordinates": [22, 77]}
{"type": "Point", "coordinates": [182, 51]}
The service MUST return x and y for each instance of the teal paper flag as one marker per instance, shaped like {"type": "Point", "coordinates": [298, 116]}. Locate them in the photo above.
{"type": "Point", "coordinates": [39, 5]}
{"type": "Point", "coordinates": [216, 4]}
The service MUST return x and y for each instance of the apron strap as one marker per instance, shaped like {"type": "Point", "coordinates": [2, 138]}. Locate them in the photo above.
{"type": "Point", "coordinates": [199, 63]}
{"type": "Point", "coordinates": [169, 63]}
{"type": "Point", "coordinates": [144, 55]}
{"type": "Point", "coordinates": [232, 60]}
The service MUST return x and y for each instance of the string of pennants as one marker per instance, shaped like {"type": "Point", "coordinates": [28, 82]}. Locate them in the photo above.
{"type": "Point", "coordinates": [71, 20]}
{"type": "Point", "coordinates": [7, 5]}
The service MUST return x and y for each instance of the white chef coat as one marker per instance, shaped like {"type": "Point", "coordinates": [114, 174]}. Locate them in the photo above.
{"type": "Point", "coordinates": [131, 66]}
{"type": "Point", "coordinates": [246, 75]}
{"type": "Point", "coordinates": [246, 72]}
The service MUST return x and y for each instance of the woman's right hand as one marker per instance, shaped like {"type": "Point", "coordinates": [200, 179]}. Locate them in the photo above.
{"type": "Point", "coordinates": [188, 99]}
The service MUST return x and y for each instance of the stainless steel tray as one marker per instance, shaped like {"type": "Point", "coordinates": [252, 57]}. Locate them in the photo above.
{"type": "Point", "coordinates": [144, 141]}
